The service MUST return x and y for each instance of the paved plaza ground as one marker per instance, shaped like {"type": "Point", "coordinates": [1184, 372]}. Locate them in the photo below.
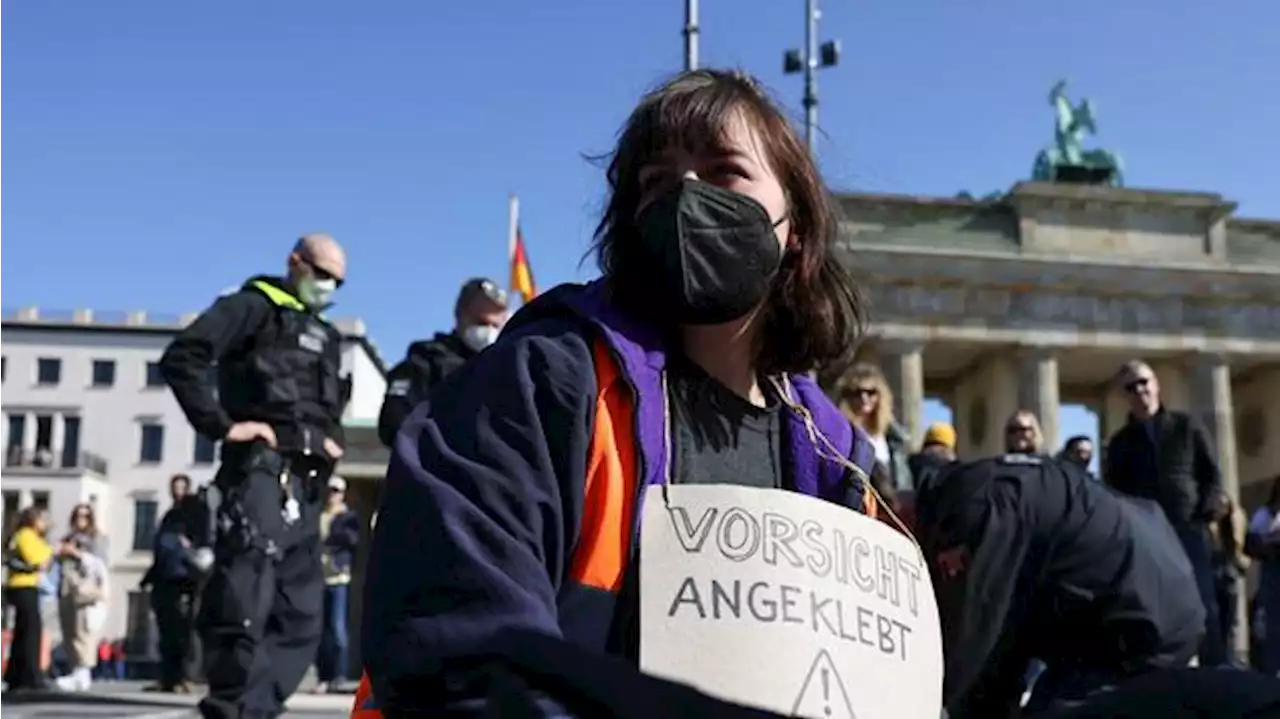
{"type": "Point", "coordinates": [112, 700]}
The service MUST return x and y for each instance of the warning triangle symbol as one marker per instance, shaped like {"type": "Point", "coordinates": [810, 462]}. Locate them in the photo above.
{"type": "Point", "coordinates": [823, 694]}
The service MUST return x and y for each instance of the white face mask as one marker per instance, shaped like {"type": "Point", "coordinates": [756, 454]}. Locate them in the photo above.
{"type": "Point", "coordinates": [477, 337]}
{"type": "Point", "coordinates": [316, 293]}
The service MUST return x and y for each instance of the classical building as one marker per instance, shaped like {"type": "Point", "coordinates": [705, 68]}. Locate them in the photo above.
{"type": "Point", "coordinates": [1035, 298]}
{"type": "Point", "coordinates": [89, 419]}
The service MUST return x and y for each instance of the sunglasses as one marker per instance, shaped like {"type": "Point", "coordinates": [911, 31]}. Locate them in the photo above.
{"type": "Point", "coordinates": [1019, 429]}
{"type": "Point", "coordinates": [321, 273]}
{"type": "Point", "coordinates": [860, 392]}
{"type": "Point", "coordinates": [1135, 385]}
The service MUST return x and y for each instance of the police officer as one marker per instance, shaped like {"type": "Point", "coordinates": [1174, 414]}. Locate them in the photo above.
{"type": "Point", "coordinates": [1033, 560]}
{"type": "Point", "coordinates": [277, 409]}
{"type": "Point", "coordinates": [479, 312]}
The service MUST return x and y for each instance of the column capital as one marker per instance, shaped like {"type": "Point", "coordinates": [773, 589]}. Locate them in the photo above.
{"type": "Point", "coordinates": [1209, 360]}
{"type": "Point", "coordinates": [899, 346]}
{"type": "Point", "coordinates": [1037, 351]}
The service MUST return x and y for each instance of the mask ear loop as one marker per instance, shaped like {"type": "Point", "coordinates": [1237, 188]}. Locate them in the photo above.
{"type": "Point", "coordinates": [826, 450]}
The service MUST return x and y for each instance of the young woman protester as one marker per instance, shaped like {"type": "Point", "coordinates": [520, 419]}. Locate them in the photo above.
{"type": "Point", "coordinates": [513, 497]}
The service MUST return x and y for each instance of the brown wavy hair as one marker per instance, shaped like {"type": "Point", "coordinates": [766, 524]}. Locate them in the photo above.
{"type": "Point", "coordinates": [814, 314]}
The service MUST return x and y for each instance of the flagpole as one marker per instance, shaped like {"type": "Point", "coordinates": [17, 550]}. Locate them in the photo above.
{"type": "Point", "coordinates": [513, 231]}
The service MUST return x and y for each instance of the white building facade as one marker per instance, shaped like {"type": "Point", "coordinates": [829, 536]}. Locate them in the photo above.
{"type": "Point", "coordinates": [88, 418]}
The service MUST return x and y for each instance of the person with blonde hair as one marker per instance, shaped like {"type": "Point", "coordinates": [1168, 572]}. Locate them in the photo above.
{"type": "Point", "coordinates": [82, 596]}
{"type": "Point", "coordinates": [867, 400]}
{"type": "Point", "coordinates": [1022, 433]}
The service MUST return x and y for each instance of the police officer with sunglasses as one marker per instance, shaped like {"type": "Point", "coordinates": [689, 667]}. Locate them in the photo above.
{"type": "Point", "coordinates": [276, 408]}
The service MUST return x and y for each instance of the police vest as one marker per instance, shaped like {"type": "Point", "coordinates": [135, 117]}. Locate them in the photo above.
{"type": "Point", "coordinates": [295, 371]}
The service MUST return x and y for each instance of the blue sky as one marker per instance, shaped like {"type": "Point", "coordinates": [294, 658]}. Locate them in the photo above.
{"type": "Point", "coordinates": [162, 151]}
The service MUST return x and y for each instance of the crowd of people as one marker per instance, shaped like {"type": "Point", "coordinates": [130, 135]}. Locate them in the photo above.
{"type": "Point", "coordinates": [75, 576]}
{"type": "Point", "coordinates": [504, 571]}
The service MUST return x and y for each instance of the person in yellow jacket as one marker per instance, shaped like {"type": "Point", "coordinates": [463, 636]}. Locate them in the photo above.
{"type": "Point", "coordinates": [27, 554]}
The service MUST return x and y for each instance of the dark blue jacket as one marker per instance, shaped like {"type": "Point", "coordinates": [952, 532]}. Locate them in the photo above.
{"type": "Point", "coordinates": [344, 537]}
{"type": "Point", "coordinates": [484, 503]}
{"type": "Point", "coordinates": [170, 561]}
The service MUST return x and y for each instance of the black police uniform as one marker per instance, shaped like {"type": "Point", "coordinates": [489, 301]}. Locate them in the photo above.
{"type": "Point", "coordinates": [425, 365]}
{"type": "Point", "coordinates": [1033, 560]}
{"type": "Point", "coordinates": [261, 609]}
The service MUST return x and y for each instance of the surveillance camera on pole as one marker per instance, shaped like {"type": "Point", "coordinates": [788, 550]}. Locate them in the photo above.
{"type": "Point", "coordinates": [814, 56]}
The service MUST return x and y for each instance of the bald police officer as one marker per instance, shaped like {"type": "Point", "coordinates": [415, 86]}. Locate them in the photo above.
{"type": "Point", "coordinates": [277, 409]}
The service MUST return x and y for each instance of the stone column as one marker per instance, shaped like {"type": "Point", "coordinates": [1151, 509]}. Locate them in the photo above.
{"type": "Point", "coordinates": [903, 365]}
{"type": "Point", "coordinates": [58, 437]}
{"type": "Point", "coordinates": [1211, 402]}
{"type": "Point", "coordinates": [1112, 417]}
{"type": "Point", "coordinates": [1038, 391]}
{"type": "Point", "coordinates": [29, 438]}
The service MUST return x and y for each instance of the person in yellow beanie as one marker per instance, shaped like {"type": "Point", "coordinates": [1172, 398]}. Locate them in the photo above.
{"type": "Point", "coordinates": [937, 451]}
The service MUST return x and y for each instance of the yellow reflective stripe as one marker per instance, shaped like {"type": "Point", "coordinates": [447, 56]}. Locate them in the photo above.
{"type": "Point", "coordinates": [279, 296]}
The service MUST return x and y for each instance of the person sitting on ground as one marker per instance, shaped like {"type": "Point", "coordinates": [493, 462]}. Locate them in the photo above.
{"type": "Point", "coordinates": [513, 496]}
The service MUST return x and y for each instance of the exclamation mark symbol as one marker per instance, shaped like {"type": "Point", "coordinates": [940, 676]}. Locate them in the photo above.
{"type": "Point", "coordinates": [826, 692]}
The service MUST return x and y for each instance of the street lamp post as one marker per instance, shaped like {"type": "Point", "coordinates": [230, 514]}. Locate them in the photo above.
{"type": "Point", "coordinates": [813, 57]}
{"type": "Point", "coordinates": [690, 34]}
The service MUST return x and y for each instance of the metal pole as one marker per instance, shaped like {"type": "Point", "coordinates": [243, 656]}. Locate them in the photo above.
{"type": "Point", "coordinates": [810, 71]}
{"type": "Point", "coordinates": [690, 34]}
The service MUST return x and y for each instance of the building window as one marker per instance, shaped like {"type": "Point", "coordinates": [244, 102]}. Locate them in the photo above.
{"type": "Point", "coordinates": [104, 373]}
{"type": "Point", "coordinates": [71, 442]}
{"type": "Point", "coordinates": [154, 378]}
{"type": "Point", "coordinates": [17, 433]}
{"type": "Point", "coordinates": [48, 370]}
{"type": "Point", "coordinates": [9, 507]}
{"type": "Point", "coordinates": [206, 450]}
{"type": "Point", "coordinates": [44, 441]}
{"type": "Point", "coordinates": [152, 451]}
{"type": "Point", "coordinates": [40, 500]}
{"type": "Point", "coordinates": [145, 513]}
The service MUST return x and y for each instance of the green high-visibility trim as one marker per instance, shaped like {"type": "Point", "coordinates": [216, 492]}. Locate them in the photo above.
{"type": "Point", "coordinates": [279, 296]}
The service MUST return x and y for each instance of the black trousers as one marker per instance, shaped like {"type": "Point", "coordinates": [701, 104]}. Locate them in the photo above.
{"type": "Point", "coordinates": [23, 671]}
{"type": "Point", "coordinates": [262, 606]}
{"type": "Point", "coordinates": [173, 603]}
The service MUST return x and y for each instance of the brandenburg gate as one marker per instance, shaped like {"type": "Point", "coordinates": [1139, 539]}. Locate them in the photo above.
{"type": "Point", "coordinates": [1035, 298]}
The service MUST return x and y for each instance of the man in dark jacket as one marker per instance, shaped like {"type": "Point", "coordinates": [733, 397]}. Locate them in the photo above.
{"type": "Point", "coordinates": [479, 313]}
{"type": "Point", "coordinates": [172, 581]}
{"type": "Point", "coordinates": [1031, 559]}
{"type": "Point", "coordinates": [1166, 456]}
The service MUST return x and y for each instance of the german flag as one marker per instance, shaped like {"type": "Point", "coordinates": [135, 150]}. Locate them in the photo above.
{"type": "Point", "coordinates": [521, 272]}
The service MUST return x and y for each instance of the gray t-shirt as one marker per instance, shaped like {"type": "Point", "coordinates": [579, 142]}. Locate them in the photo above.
{"type": "Point", "coordinates": [721, 438]}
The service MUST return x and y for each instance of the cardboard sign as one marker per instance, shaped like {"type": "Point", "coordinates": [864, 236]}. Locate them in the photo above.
{"type": "Point", "coordinates": [784, 602]}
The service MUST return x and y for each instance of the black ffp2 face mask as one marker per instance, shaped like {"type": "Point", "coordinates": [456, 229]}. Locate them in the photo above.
{"type": "Point", "coordinates": [712, 253]}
